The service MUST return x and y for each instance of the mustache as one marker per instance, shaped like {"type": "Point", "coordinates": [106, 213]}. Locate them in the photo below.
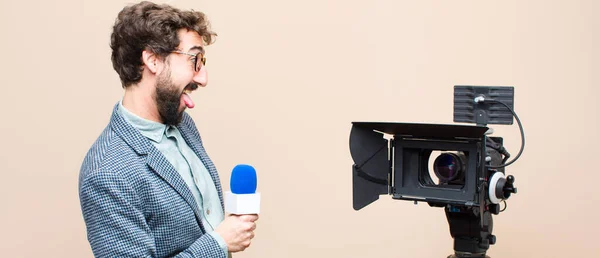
{"type": "Point", "coordinates": [191, 86]}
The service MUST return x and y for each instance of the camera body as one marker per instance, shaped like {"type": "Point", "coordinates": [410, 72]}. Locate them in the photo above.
{"type": "Point", "coordinates": [400, 164]}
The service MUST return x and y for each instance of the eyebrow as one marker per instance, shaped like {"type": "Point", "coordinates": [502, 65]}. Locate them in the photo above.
{"type": "Point", "coordinates": [199, 48]}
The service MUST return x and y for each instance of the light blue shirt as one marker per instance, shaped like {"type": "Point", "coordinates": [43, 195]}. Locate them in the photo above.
{"type": "Point", "coordinates": [169, 141]}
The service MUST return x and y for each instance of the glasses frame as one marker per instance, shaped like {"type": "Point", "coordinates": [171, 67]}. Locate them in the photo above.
{"type": "Point", "coordinates": [195, 58]}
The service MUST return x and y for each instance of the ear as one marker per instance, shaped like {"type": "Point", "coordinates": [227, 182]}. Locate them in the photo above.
{"type": "Point", "coordinates": [151, 60]}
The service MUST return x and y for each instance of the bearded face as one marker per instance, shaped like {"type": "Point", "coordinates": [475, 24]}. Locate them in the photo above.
{"type": "Point", "coordinates": [169, 98]}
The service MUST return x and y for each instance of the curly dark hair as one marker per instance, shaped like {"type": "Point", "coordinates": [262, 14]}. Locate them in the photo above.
{"type": "Point", "coordinates": [153, 27]}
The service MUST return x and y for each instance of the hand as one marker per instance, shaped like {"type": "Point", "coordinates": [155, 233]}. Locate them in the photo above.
{"type": "Point", "coordinates": [237, 231]}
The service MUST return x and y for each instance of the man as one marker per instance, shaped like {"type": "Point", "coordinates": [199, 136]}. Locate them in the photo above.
{"type": "Point", "coordinates": [147, 187]}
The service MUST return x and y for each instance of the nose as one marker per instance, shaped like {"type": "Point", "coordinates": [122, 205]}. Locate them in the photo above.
{"type": "Point", "coordinates": [201, 77]}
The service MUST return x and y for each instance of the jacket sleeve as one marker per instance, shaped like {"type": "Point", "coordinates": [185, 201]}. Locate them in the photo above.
{"type": "Point", "coordinates": [116, 227]}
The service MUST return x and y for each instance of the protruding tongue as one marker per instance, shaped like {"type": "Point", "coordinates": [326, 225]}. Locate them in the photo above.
{"type": "Point", "coordinates": [187, 100]}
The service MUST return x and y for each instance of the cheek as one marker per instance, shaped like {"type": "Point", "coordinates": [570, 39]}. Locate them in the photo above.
{"type": "Point", "coordinates": [181, 75]}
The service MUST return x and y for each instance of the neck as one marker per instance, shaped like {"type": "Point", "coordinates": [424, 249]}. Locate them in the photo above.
{"type": "Point", "coordinates": [138, 99]}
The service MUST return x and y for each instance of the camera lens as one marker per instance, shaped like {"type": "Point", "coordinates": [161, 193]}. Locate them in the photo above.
{"type": "Point", "coordinates": [448, 167]}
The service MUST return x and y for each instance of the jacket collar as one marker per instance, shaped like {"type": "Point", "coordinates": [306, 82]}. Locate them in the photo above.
{"type": "Point", "coordinates": [128, 133]}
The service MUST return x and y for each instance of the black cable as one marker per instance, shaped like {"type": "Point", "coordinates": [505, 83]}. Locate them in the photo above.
{"type": "Point", "coordinates": [520, 128]}
{"type": "Point", "coordinates": [505, 205]}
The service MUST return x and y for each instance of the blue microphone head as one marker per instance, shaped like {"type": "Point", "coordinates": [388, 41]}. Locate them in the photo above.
{"type": "Point", "coordinates": [243, 179]}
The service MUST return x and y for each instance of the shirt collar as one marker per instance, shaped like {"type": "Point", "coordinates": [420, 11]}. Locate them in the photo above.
{"type": "Point", "coordinates": [150, 129]}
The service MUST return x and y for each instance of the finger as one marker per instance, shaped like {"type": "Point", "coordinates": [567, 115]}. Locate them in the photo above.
{"type": "Point", "coordinates": [250, 234]}
{"type": "Point", "coordinates": [248, 226]}
{"type": "Point", "coordinates": [254, 217]}
{"type": "Point", "coordinates": [251, 217]}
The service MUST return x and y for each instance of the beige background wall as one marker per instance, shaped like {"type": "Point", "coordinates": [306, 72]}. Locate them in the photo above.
{"type": "Point", "coordinates": [287, 78]}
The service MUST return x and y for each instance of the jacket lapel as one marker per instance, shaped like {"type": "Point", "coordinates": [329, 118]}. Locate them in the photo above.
{"type": "Point", "coordinates": [155, 160]}
{"type": "Point", "coordinates": [161, 166]}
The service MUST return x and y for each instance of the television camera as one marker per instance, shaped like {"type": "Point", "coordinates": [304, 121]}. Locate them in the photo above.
{"type": "Point", "coordinates": [460, 168]}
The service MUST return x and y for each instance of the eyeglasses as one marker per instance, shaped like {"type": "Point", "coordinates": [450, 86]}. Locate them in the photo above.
{"type": "Point", "coordinates": [195, 58]}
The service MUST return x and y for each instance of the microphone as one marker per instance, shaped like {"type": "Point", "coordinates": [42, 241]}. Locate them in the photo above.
{"type": "Point", "coordinates": [243, 198]}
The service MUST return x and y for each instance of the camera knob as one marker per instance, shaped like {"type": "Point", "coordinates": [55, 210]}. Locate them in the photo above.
{"type": "Point", "coordinates": [494, 209]}
{"type": "Point", "coordinates": [510, 179]}
{"type": "Point", "coordinates": [492, 239]}
{"type": "Point", "coordinates": [509, 186]}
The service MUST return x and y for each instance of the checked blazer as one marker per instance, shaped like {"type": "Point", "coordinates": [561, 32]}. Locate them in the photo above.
{"type": "Point", "coordinates": [133, 201]}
